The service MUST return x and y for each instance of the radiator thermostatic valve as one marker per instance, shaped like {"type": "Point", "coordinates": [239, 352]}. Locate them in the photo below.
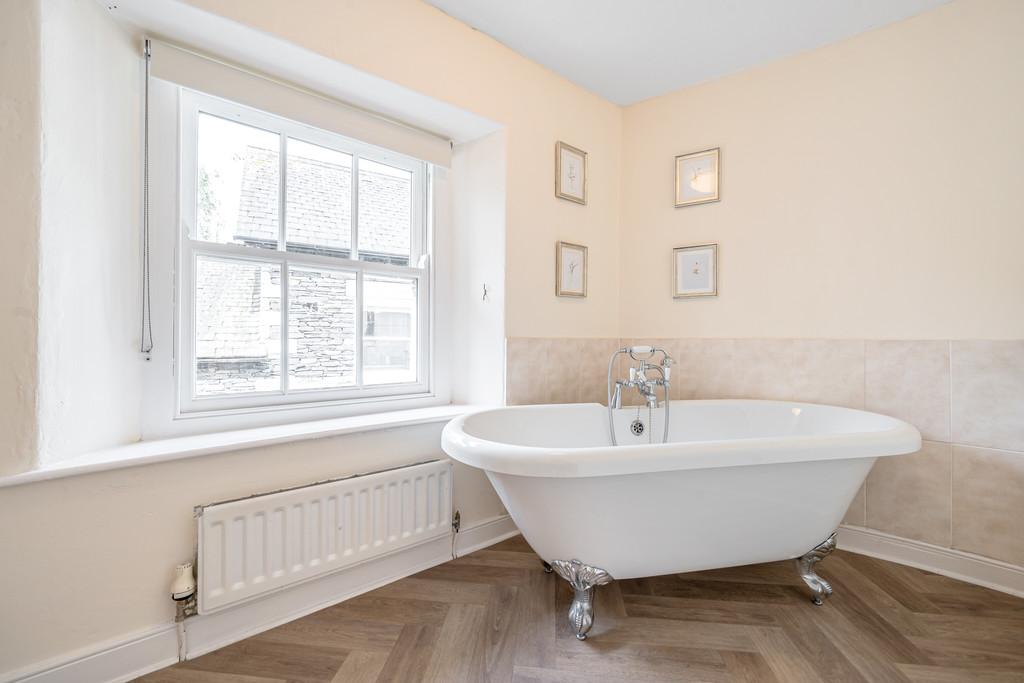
{"type": "Point", "coordinates": [183, 586]}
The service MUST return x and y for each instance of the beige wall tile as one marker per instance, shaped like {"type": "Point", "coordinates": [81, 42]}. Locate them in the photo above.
{"type": "Point", "coordinates": [988, 394]}
{"type": "Point", "coordinates": [910, 380]}
{"type": "Point", "coordinates": [855, 515]}
{"type": "Point", "coordinates": [557, 370]}
{"type": "Point", "coordinates": [526, 378]}
{"type": "Point", "coordinates": [988, 503]}
{"type": "Point", "coordinates": [812, 370]}
{"type": "Point", "coordinates": [563, 368]}
{"type": "Point", "coordinates": [908, 495]}
{"type": "Point", "coordinates": [594, 357]}
{"type": "Point", "coordinates": [704, 369]}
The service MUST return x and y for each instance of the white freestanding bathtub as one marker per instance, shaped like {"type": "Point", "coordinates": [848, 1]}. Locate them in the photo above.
{"type": "Point", "coordinates": [739, 482]}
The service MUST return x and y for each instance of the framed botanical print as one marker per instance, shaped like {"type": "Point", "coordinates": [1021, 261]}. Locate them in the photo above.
{"type": "Point", "coordinates": [697, 177]}
{"type": "Point", "coordinates": [696, 271]}
{"type": "Point", "coordinates": [570, 173]}
{"type": "Point", "coordinates": [570, 269]}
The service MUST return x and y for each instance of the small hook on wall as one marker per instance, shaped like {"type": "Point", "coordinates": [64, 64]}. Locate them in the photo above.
{"type": "Point", "coordinates": [485, 293]}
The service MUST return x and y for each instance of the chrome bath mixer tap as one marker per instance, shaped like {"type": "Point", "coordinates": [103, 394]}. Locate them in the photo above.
{"type": "Point", "coordinates": [640, 380]}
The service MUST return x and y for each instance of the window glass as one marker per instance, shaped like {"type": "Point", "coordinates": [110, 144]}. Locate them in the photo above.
{"type": "Point", "coordinates": [389, 322]}
{"type": "Point", "coordinates": [237, 183]}
{"type": "Point", "coordinates": [237, 326]}
{"type": "Point", "coordinates": [318, 191]}
{"type": "Point", "coordinates": [321, 328]}
{"type": "Point", "coordinates": [385, 213]}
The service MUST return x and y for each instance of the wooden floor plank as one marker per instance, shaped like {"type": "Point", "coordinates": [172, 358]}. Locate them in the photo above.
{"type": "Point", "coordinates": [748, 667]}
{"type": "Point", "coordinates": [686, 609]}
{"type": "Point", "coordinates": [257, 656]}
{"type": "Point", "coordinates": [816, 647]}
{"type": "Point", "coordinates": [459, 652]}
{"type": "Point", "coordinates": [411, 655]}
{"type": "Point", "coordinates": [782, 656]}
{"type": "Point", "coordinates": [178, 674]}
{"type": "Point", "coordinates": [937, 674]}
{"type": "Point", "coordinates": [494, 616]}
{"type": "Point", "coordinates": [361, 667]}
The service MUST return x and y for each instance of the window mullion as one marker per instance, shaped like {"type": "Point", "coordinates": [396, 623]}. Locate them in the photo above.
{"type": "Point", "coordinates": [354, 255]}
{"type": "Point", "coordinates": [359, 329]}
{"type": "Point", "coordinates": [282, 235]}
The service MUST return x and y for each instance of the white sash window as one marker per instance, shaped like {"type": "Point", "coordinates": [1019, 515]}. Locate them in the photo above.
{"type": "Point", "coordinates": [303, 269]}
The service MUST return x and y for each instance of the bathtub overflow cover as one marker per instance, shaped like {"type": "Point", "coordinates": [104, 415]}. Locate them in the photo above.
{"type": "Point", "coordinates": [637, 427]}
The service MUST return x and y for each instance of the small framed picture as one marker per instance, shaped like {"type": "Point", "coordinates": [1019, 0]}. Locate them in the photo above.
{"type": "Point", "coordinates": [696, 271]}
{"type": "Point", "coordinates": [697, 177]}
{"type": "Point", "coordinates": [570, 173]}
{"type": "Point", "coordinates": [570, 269]}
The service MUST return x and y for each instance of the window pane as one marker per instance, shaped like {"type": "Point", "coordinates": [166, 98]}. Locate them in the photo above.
{"type": "Point", "coordinates": [321, 328]}
{"type": "Point", "coordinates": [318, 189]}
{"type": "Point", "coordinates": [237, 326]}
{"type": "Point", "coordinates": [389, 330]}
{"type": "Point", "coordinates": [385, 213]}
{"type": "Point", "coordinates": [237, 183]}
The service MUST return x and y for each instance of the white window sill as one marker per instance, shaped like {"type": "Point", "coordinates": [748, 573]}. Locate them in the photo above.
{"type": "Point", "coordinates": [179, 448]}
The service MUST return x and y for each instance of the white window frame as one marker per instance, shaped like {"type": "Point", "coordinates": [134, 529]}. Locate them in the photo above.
{"type": "Point", "coordinates": [189, 250]}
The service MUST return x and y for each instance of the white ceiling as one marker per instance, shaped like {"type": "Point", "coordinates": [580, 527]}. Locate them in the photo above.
{"type": "Point", "coordinates": [629, 50]}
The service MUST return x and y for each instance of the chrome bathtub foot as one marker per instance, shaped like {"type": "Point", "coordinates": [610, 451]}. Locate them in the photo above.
{"type": "Point", "coordinates": [820, 588]}
{"type": "Point", "coordinates": [583, 579]}
{"type": "Point", "coordinates": [547, 567]}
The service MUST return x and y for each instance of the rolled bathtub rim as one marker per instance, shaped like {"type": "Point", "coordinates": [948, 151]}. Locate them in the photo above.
{"type": "Point", "coordinates": [898, 438]}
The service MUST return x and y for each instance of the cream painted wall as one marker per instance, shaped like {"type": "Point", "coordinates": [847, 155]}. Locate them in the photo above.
{"type": "Point", "coordinates": [90, 379]}
{"type": "Point", "coordinates": [415, 45]}
{"type": "Point", "coordinates": [871, 188]}
{"type": "Point", "coordinates": [19, 259]}
{"type": "Point", "coordinates": [94, 553]}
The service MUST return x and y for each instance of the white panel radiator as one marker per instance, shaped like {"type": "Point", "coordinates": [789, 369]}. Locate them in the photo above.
{"type": "Point", "coordinates": [255, 545]}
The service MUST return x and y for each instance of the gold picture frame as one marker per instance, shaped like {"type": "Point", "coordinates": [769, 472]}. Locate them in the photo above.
{"type": "Point", "coordinates": [570, 173]}
{"type": "Point", "coordinates": [695, 271]}
{"type": "Point", "coordinates": [570, 270]}
{"type": "Point", "coordinates": [698, 177]}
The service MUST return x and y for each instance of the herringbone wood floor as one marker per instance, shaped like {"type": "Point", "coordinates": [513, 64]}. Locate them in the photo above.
{"type": "Point", "coordinates": [495, 615]}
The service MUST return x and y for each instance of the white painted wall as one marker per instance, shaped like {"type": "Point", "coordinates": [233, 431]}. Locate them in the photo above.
{"type": "Point", "coordinates": [90, 382]}
{"type": "Point", "coordinates": [19, 216]}
{"type": "Point", "coordinates": [477, 240]}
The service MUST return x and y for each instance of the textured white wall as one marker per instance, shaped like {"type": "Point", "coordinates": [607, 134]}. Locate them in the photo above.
{"type": "Point", "coordinates": [90, 382]}
{"type": "Point", "coordinates": [478, 259]}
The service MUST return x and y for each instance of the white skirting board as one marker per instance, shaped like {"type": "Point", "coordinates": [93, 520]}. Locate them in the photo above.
{"type": "Point", "coordinates": [142, 653]}
{"type": "Point", "coordinates": [955, 564]}
{"type": "Point", "coordinates": [122, 660]}
{"type": "Point", "coordinates": [485, 533]}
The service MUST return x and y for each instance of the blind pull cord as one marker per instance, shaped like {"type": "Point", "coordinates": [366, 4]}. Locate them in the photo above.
{"type": "Point", "coordinates": [146, 345]}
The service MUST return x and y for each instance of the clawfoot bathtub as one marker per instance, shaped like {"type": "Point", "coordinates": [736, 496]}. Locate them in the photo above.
{"type": "Point", "coordinates": [738, 482]}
